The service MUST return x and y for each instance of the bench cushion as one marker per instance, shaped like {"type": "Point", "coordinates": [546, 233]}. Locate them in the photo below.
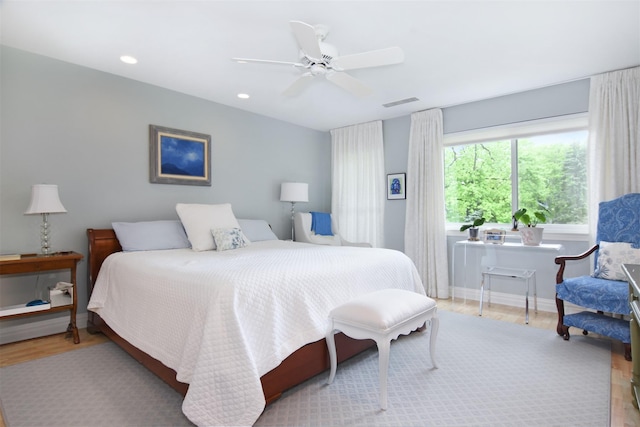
{"type": "Point", "coordinates": [382, 310]}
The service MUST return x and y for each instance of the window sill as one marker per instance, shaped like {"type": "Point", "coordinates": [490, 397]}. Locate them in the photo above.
{"type": "Point", "coordinates": [552, 232]}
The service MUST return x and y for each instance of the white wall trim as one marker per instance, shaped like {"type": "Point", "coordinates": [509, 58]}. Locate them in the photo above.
{"type": "Point", "coordinates": [513, 300]}
{"type": "Point", "coordinates": [39, 328]}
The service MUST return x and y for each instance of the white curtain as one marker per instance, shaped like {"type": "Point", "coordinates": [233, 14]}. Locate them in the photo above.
{"type": "Point", "coordinates": [614, 138]}
{"type": "Point", "coordinates": [358, 182]}
{"type": "Point", "coordinates": [425, 239]}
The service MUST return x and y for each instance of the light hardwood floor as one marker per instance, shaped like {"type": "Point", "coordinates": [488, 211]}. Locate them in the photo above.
{"type": "Point", "coordinates": [623, 413]}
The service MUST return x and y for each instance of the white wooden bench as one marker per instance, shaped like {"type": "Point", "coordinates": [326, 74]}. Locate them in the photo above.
{"type": "Point", "coordinates": [382, 316]}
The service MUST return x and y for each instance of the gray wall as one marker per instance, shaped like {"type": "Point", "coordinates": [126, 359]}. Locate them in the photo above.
{"type": "Point", "coordinates": [87, 132]}
{"type": "Point", "coordinates": [552, 101]}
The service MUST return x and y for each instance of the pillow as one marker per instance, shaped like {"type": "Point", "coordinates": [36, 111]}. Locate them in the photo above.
{"type": "Point", "coordinates": [150, 235]}
{"type": "Point", "coordinates": [198, 220]}
{"type": "Point", "coordinates": [228, 238]}
{"type": "Point", "coordinates": [611, 256]}
{"type": "Point", "coordinates": [256, 230]}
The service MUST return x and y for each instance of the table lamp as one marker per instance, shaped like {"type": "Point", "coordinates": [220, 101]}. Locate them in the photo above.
{"type": "Point", "coordinates": [45, 201]}
{"type": "Point", "coordinates": [294, 192]}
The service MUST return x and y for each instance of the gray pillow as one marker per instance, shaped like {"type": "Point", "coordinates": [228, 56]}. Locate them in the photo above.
{"type": "Point", "coordinates": [151, 235]}
{"type": "Point", "coordinates": [256, 230]}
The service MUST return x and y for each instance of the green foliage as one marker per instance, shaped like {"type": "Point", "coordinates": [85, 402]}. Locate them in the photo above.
{"type": "Point", "coordinates": [536, 218]}
{"type": "Point", "coordinates": [477, 223]}
{"type": "Point", "coordinates": [550, 173]}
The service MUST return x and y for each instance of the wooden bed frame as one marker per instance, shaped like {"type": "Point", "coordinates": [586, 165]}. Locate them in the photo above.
{"type": "Point", "coordinates": [303, 364]}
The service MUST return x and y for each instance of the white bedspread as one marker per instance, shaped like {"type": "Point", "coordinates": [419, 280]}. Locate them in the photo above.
{"type": "Point", "coordinates": [221, 320]}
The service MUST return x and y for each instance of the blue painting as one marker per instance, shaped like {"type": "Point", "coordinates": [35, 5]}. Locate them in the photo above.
{"type": "Point", "coordinates": [181, 157]}
{"type": "Point", "coordinates": [396, 186]}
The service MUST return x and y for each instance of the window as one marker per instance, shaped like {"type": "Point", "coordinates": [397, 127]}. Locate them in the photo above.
{"type": "Point", "coordinates": [533, 168]}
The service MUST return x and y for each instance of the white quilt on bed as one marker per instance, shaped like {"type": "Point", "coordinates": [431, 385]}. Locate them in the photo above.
{"type": "Point", "coordinates": [221, 320]}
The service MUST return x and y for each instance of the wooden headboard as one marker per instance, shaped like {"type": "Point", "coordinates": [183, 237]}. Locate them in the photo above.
{"type": "Point", "coordinates": [102, 243]}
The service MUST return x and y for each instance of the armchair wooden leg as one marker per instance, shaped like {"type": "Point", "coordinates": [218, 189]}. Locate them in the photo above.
{"type": "Point", "coordinates": [627, 351]}
{"type": "Point", "coordinates": [562, 330]}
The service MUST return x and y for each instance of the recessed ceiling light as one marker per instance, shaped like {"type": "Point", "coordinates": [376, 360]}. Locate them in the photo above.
{"type": "Point", "coordinates": [127, 59]}
{"type": "Point", "coordinates": [243, 96]}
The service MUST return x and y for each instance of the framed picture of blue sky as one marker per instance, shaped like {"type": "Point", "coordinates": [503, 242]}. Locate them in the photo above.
{"type": "Point", "coordinates": [179, 157]}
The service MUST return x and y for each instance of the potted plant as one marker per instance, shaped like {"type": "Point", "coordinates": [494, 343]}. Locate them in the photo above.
{"type": "Point", "coordinates": [531, 234]}
{"type": "Point", "coordinates": [473, 228]}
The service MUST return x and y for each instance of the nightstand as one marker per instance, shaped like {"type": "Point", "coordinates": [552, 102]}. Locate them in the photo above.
{"type": "Point", "coordinates": [35, 264]}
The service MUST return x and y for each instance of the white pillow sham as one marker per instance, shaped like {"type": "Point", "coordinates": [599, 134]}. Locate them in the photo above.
{"type": "Point", "coordinates": [199, 219]}
{"type": "Point", "coordinates": [256, 230]}
{"type": "Point", "coordinates": [611, 256]}
{"type": "Point", "coordinates": [150, 235]}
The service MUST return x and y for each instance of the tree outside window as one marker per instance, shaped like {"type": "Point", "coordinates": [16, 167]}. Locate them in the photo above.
{"type": "Point", "coordinates": [495, 178]}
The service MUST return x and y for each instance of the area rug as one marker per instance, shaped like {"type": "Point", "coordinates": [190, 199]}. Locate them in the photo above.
{"type": "Point", "coordinates": [490, 373]}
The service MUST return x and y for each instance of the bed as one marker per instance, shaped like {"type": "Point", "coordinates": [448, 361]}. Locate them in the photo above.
{"type": "Point", "coordinates": [232, 330]}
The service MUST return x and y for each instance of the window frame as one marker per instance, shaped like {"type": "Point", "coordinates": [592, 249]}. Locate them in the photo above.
{"type": "Point", "coordinates": [512, 132]}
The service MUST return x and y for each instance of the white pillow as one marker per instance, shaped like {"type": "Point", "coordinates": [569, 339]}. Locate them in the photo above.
{"type": "Point", "coordinates": [198, 220]}
{"type": "Point", "coordinates": [256, 230]}
{"type": "Point", "coordinates": [611, 256]}
{"type": "Point", "coordinates": [228, 238]}
{"type": "Point", "coordinates": [150, 235]}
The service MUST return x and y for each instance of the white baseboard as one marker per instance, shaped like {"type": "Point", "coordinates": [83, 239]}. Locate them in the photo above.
{"type": "Point", "coordinates": [544, 304]}
{"type": "Point", "coordinates": [39, 328]}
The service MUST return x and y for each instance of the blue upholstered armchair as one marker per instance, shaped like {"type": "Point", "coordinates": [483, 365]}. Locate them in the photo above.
{"type": "Point", "coordinates": [605, 292]}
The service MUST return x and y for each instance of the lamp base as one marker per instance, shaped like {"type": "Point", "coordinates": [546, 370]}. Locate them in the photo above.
{"type": "Point", "coordinates": [293, 235]}
{"type": "Point", "coordinates": [44, 235]}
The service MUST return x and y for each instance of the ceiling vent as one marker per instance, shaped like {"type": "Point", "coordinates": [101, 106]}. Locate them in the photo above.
{"type": "Point", "coordinates": [402, 101]}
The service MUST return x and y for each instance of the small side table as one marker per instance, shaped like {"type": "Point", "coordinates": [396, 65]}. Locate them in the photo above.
{"type": "Point", "coordinates": [34, 264]}
{"type": "Point", "coordinates": [515, 273]}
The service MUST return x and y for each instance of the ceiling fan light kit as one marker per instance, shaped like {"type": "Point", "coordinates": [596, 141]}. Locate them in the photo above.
{"type": "Point", "coordinates": [319, 58]}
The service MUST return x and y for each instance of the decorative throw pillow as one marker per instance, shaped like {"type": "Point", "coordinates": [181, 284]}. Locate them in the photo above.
{"type": "Point", "coordinates": [228, 238]}
{"type": "Point", "coordinates": [611, 256]}
{"type": "Point", "coordinates": [150, 235]}
{"type": "Point", "coordinates": [198, 220]}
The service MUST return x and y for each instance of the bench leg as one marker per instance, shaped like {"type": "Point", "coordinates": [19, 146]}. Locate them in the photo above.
{"type": "Point", "coordinates": [333, 358]}
{"type": "Point", "coordinates": [383, 361]}
{"type": "Point", "coordinates": [435, 324]}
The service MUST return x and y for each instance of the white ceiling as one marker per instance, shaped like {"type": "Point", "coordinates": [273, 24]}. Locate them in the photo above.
{"type": "Point", "coordinates": [455, 51]}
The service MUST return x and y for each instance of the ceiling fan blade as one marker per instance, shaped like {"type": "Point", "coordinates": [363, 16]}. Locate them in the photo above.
{"type": "Point", "coordinates": [349, 83]}
{"type": "Point", "coordinates": [267, 61]}
{"type": "Point", "coordinates": [299, 85]}
{"type": "Point", "coordinates": [307, 39]}
{"type": "Point", "coordinates": [374, 58]}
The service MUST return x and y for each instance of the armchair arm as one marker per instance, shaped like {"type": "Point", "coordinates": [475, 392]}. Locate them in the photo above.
{"type": "Point", "coordinates": [561, 260]}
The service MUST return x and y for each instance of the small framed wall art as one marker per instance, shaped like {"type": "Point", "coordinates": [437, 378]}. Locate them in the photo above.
{"type": "Point", "coordinates": [396, 186]}
{"type": "Point", "coordinates": [179, 157]}
{"type": "Point", "coordinates": [495, 236]}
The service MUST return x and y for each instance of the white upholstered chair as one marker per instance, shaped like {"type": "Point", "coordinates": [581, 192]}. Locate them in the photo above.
{"type": "Point", "coordinates": [303, 233]}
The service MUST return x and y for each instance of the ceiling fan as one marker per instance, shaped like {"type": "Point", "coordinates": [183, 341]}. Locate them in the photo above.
{"type": "Point", "coordinates": [318, 58]}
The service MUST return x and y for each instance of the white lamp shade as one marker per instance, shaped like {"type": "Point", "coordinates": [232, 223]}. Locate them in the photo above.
{"type": "Point", "coordinates": [294, 192]}
{"type": "Point", "coordinates": [44, 199]}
